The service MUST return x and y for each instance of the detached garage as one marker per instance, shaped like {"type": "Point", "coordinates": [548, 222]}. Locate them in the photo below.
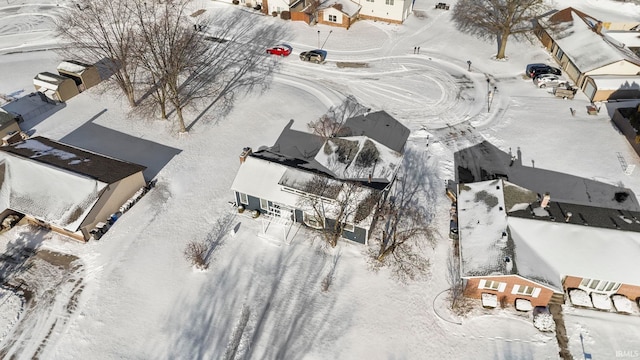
{"type": "Point", "coordinates": [608, 87]}
{"type": "Point", "coordinates": [84, 75]}
{"type": "Point", "coordinates": [55, 87]}
{"type": "Point", "coordinates": [64, 188]}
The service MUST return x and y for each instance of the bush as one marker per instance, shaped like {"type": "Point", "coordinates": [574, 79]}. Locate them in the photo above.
{"type": "Point", "coordinates": [285, 15]}
{"type": "Point", "coordinates": [275, 13]}
{"type": "Point", "coordinates": [235, 2]}
{"type": "Point", "coordinates": [196, 253]}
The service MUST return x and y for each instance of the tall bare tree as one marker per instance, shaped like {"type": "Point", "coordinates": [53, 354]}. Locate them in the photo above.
{"type": "Point", "coordinates": [497, 19]}
{"type": "Point", "coordinates": [186, 60]}
{"type": "Point", "coordinates": [101, 32]}
{"type": "Point", "coordinates": [332, 123]}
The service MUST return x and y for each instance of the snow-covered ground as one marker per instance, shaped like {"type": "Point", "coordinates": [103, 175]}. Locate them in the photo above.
{"type": "Point", "coordinates": [133, 296]}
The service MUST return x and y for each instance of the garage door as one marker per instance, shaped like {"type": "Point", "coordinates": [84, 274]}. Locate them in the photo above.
{"type": "Point", "coordinates": [590, 90]}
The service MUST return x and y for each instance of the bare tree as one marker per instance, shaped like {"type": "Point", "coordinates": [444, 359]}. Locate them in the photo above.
{"type": "Point", "coordinates": [101, 32]}
{"type": "Point", "coordinates": [497, 19]}
{"type": "Point", "coordinates": [196, 253]}
{"type": "Point", "coordinates": [455, 281]}
{"type": "Point", "coordinates": [404, 229]}
{"type": "Point", "coordinates": [183, 64]}
{"type": "Point", "coordinates": [332, 204]}
{"type": "Point", "coordinates": [332, 123]}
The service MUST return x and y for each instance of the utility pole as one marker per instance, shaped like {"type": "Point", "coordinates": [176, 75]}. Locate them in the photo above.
{"type": "Point", "coordinates": [488, 95]}
{"type": "Point", "coordinates": [318, 38]}
{"type": "Point", "coordinates": [325, 40]}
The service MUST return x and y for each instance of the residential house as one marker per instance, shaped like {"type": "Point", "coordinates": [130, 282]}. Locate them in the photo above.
{"type": "Point", "coordinates": [64, 188]}
{"type": "Point", "coordinates": [9, 126]}
{"type": "Point", "coordinates": [55, 87]}
{"type": "Point", "coordinates": [368, 153]}
{"type": "Point", "coordinates": [341, 13]}
{"type": "Point", "coordinates": [603, 67]}
{"type": "Point", "coordinates": [392, 11]}
{"type": "Point", "coordinates": [515, 244]}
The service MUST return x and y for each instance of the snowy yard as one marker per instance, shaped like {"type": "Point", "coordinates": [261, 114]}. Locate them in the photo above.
{"type": "Point", "coordinates": [132, 295]}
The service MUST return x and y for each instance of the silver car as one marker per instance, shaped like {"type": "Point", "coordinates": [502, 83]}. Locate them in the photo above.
{"type": "Point", "coordinates": [549, 80]}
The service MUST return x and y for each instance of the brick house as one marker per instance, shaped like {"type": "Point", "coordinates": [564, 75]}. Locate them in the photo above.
{"type": "Point", "coordinates": [516, 244]}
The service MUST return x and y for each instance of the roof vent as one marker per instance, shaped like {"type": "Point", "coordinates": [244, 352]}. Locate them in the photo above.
{"type": "Point", "coordinates": [545, 200]}
{"type": "Point", "coordinates": [568, 217]}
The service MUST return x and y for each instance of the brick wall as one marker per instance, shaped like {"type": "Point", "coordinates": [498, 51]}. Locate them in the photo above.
{"type": "Point", "coordinates": [630, 291]}
{"type": "Point", "coordinates": [571, 282]}
{"type": "Point", "coordinates": [472, 290]}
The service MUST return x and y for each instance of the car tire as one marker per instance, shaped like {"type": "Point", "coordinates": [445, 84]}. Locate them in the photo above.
{"type": "Point", "coordinates": [542, 86]}
{"type": "Point", "coordinates": [316, 61]}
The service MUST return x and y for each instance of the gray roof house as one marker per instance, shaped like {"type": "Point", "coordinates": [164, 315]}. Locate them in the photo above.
{"type": "Point", "coordinates": [273, 180]}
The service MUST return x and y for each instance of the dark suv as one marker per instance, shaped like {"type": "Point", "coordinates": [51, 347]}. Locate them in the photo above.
{"type": "Point", "coordinates": [317, 56]}
{"type": "Point", "coordinates": [534, 70]}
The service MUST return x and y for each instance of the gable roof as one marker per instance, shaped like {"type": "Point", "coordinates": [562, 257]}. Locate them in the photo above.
{"type": "Point", "coordinates": [381, 127]}
{"type": "Point", "coordinates": [74, 67]}
{"type": "Point", "coordinates": [503, 232]}
{"type": "Point", "coordinates": [346, 7]}
{"type": "Point", "coordinates": [575, 33]}
{"type": "Point", "coordinates": [85, 163]}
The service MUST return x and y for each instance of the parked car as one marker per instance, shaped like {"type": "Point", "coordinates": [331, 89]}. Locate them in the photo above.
{"type": "Point", "coordinates": [317, 56]}
{"type": "Point", "coordinates": [546, 69]}
{"type": "Point", "coordinates": [531, 66]}
{"type": "Point", "coordinates": [281, 50]}
{"type": "Point", "coordinates": [549, 81]}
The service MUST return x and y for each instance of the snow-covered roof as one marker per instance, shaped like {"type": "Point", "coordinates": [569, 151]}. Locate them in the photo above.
{"type": "Point", "coordinates": [284, 185]}
{"type": "Point", "coordinates": [541, 245]}
{"type": "Point", "coordinates": [607, 82]}
{"type": "Point", "coordinates": [482, 226]}
{"type": "Point", "coordinates": [79, 161]}
{"type": "Point", "coordinates": [73, 67]}
{"type": "Point", "coordinates": [357, 158]}
{"type": "Point", "coordinates": [54, 182]}
{"type": "Point", "coordinates": [54, 195]}
{"type": "Point", "coordinates": [260, 178]}
{"type": "Point", "coordinates": [51, 78]}
{"type": "Point", "coordinates": [587, 49]}
{"type": "Point", "coordinates": [346, 7]}
{"type": "Point", "coordinates": [381, 127]}
{"type": "Point", "coordinates": [630, 39]}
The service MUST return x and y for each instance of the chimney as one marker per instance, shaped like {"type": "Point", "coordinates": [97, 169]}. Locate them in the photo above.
{"type": "Point", "coordinates": [245, 152]}
{"type": "Point", "coordinates": [545, 200]}
{"type": "Point", "coordinates": [598, 28]}
{"type": "Point", "coordinates": [568, 217]}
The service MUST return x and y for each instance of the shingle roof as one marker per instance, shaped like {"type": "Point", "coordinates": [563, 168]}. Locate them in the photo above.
{"type": "Point", "coordinates": [381, 127]}
{"type": "Point", "coordinates": [89, 164]}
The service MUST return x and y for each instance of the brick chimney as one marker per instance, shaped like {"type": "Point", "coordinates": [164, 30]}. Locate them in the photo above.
{"type": "Point", "coordinates": [245, 152]}
{"type": "Point", "coordinates": [598, 28]}
{"type": "Point", "coordinates": [545, 200]}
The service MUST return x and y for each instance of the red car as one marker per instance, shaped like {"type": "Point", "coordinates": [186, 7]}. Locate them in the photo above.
{"type": "Point", "coordinates": [282, 50]}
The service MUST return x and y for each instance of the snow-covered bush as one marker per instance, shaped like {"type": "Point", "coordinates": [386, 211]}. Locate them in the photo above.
{"type": "Point", "coordinates": [601, 301]}
{"type": "Point", "coordinates": [623, 304]}
{"type": "Point", "coordinates": [489, 300]}
{"type": "Point", "coordinates": [580, 297]}
{"type": "Point", "coordinates": [523, 305]}
{"type": "Point", "coordinates": [543, 321]}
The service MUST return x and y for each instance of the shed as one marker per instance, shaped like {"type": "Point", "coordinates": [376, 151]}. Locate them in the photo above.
{"type": "Point", "coordinates": [56, 87]}
{"type": "Point", "coordinates": [84, 75]}
{"type": "Point", "coordinates": [8, 124]}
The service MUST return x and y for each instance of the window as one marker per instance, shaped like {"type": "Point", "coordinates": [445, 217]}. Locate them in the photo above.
{"type": "Point", "coordinates": [244, 199]}
{"type": "Point", "coordinates": [333, 18]}
{"type": "Point", "coordinates": [349, 227]}
{"type": "Point", "coordinates": [559, 54]}
{"type": "Point", "coordinates": [492, 285]}
{"type": "Point", "coordinates": [264, 204]}
{"type": "Point", "coordinates": [526, 290]}
{"type": "Point", "coordinates": [599, 285]}
{"type": "Point", "coordinates": [369, 0]}
{"type": "Point", "coordinates": [388, 2]}
{"type": "Point", "coordinates": [313, 221]}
